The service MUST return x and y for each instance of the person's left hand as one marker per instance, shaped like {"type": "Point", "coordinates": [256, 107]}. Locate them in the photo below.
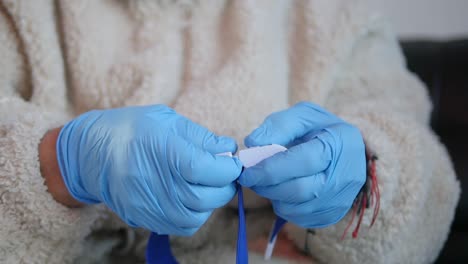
{"type": "Point", "coordinates": [314, 183]}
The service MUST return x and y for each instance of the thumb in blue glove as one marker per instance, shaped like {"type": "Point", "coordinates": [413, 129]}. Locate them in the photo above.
{"type": "Point", "coordinates": [313, 184]}
{"type": "Point", "coordinates": [152, 167]}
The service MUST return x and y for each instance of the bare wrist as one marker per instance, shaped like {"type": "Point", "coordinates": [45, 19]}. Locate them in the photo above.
{"type": "Point", "coordinates": [51, 172]}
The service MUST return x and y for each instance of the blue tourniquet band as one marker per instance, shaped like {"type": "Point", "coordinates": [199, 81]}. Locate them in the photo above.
{"type": "Point", "coordinates": [279, 223]}
{"type": "Point", "coordinates": [242, 256]}
{"type": "Point", "coordinates": [158, 250]}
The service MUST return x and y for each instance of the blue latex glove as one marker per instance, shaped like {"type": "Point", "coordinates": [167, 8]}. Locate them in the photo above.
{"type": "Point", "coordinates": [154, 168]}
{"type": "Point", "coordinates": [313, 184]}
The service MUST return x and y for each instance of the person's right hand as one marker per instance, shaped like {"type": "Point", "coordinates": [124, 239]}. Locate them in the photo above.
{"type": "Point", "coordinates": [154, 168]}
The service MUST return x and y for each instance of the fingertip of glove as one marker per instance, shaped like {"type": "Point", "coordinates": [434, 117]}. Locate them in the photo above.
{"type": "Point", "coordinates": [255, 138]}
{"type": "Point", "coordinates": [220, 144]}
{"type": "Point", "coordinates": [248, 142]}
{"type": "Point", "coordinates": [239, 165]}
{"type": "Point", "coordinates": [232, 168]}
{"type": "Point", "coordinates": [228, 143]}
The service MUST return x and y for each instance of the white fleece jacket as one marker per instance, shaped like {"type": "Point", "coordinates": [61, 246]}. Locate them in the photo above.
{"type": "Point", "coordinates": [226, 65]}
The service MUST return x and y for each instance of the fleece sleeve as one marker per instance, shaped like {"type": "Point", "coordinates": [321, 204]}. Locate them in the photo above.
{"type": "Point", "coordinates": [34, 228]}
{"type": "Point", "coordinates": [419, 191]}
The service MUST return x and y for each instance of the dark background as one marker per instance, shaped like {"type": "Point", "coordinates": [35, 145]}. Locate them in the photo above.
{"type": "Point", "coordinates": [443, 66]}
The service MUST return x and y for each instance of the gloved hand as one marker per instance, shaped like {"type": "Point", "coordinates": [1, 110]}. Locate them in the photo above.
{"type": "Point", "coordinates": [312, 184]}
{"type": "Point", "coordinates": [151, 166]}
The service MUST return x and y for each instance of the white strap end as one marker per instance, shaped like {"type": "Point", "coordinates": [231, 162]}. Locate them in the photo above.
{"type": "Point", "coordinates": [269, 249]}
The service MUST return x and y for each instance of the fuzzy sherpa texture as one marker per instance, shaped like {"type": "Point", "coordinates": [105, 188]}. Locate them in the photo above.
{"type": "Point", "coordinates": [226, 65]}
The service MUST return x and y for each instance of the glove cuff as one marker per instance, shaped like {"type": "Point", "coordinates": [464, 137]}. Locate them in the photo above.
{"type": "Point", "coordinates": [68, 159]}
